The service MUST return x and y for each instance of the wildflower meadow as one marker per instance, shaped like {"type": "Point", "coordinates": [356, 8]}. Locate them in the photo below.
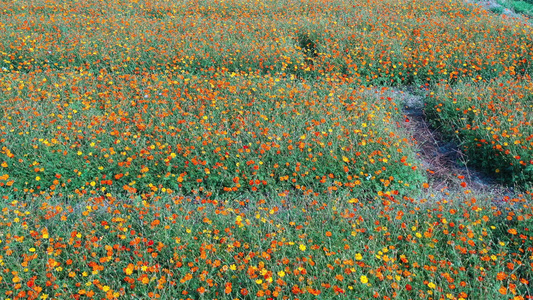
{"type": "Point", "coordinates": [258, 149]}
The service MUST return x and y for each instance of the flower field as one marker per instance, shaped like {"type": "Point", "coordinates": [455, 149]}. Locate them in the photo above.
{"type": "Point", "coordinates": [239, 149]}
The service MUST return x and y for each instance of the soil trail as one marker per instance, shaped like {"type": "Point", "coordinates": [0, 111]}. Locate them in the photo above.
{"type": "Point", "coordinates": [446, 166]}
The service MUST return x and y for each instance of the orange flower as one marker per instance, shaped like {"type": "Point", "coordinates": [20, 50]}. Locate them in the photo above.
{"type": "Point", "coordinates": [227, 288]}
{"type": "Point", "coordinates": [186, 278]}
{"type": "Point", "coordinates": [503, 290]}
{"type": "Point", "coordinates": [501, 276]}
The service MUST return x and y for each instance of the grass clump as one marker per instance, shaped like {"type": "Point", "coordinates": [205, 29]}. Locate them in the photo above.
{"type": "Point", "coordinates": [523, 7]}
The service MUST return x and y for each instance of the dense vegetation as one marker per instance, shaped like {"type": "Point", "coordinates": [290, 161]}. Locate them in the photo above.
{"type": "Point", "coordinates": [250, 149]}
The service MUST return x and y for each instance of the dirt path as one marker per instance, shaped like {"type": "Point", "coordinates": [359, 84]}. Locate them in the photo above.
{"type": "Point", "coordinates": [446, 166]}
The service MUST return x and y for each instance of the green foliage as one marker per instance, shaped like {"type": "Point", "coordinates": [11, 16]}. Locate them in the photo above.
{"type": "Point", "coordinates": [523, 7]}
{"type": "Point", "coordinates": [251, 149]}
{"type": "Point", "coordinates": [497, 10]}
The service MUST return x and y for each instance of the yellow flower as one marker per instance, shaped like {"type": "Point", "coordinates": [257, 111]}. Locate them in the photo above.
{"type": "Point", "coordinates": [431, 285]}
{"type": "Point", "coordinates": [281, 274]}
{"type": "Point", "coordinates": [358, 256]}
{"type": "Point", "coordinates": [302, 247]}
{"type": "Point", "coordinates": [32, 249]}
{"type": "Point", "coordinates": [364, 279]}
{"type": "Point", "coordinates": [129, 269]}
{"type": "Point", "coordinates": [106, 288]}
